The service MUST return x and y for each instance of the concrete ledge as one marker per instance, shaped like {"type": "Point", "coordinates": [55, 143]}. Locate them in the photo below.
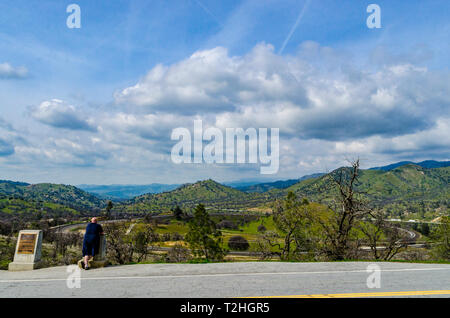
{"type": "Point", "coordinates": [18, 267]}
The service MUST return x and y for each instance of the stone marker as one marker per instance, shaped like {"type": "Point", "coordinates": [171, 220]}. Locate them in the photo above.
{"type": "Point", "coordinates": [99, 260]}
{"type": "Point", "coordinates": [28, 251]}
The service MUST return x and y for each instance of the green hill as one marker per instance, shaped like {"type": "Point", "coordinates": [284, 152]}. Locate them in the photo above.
{"type": "Point", "coordinates": [57, 194]}
{"type": "Point", "coordinates": [405, 190]}
{"type": "Point", "coordinates": [213, 195]}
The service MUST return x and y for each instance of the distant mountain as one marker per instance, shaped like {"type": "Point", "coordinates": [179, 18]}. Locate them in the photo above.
{"type": "Point", "coordinates": [125, 192]}
{"type": "Point", "coordinates": [64, 195]}
{"type": "Point", "coordinates": [281, 184]}
{"type": "Point", "coordinates": [429, 164]}
{"type": "Point", "coordinates": [243, 183]}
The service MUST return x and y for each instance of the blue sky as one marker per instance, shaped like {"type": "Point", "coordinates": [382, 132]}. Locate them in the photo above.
{"type": "Point", "coordinates": [97, 104]}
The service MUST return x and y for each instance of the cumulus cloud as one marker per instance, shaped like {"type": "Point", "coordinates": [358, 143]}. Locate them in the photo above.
{"type": "Point", "coordinates": [317, 93]}
{"type": "Point", "coordinates": [213, 81]}
{"type": "Point", "coordinates": [327, 105]}
{"type": "Point", "coordinates": [7, 71]}
{"type": "Point", "coordinates": [67, 151]}
{"type": "Point", "coordinates": [60, 114]}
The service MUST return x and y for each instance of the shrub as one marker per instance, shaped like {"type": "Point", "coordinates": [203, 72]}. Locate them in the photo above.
{"type": "Point", "coordinates": [238, 243]}
{"type": "Point", "coordinates": [178, 254]}
{"type": "Point", "coordinates": [165, 237]}
{"type": "Point", "coordinates": [226, 224]}
{"type": "Point", "coordinates": [262, 228]}
{"type": "Point", "coordinates": [177, 237]}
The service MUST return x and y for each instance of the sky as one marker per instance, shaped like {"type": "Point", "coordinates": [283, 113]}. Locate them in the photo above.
{"type": "Point", "coordinates": [98, 104]}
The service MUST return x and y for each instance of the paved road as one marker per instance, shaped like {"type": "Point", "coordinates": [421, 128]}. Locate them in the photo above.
{"type": "Point", "coordinates": [232, 280]}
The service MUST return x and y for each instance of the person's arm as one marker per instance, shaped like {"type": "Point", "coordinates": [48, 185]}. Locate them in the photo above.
{"type": "Point", "coordinates": [100, 230]}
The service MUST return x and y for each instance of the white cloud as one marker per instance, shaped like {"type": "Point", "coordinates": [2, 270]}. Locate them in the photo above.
{"type": "Point", "coordinates": [212, 81]}
{"type": "Point", "coordinates": [60, 114]}
{"type": "Point", "coordinates": [330, 99]}
{"type": "Point", "coordinates": [7, 71]}
{"type": "Point", "coordinates": [327, 108]}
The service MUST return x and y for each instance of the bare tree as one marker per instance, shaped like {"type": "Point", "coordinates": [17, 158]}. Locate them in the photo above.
{"type": "Point", "coordinates": [268, 245]}
{"type": "Point", "coordinates": [384, 238]}
{"type": "Point", "coordinates": [395, 242]}
{"type": "Point", "coordinates": [349, 206]}
{"type": "Point", "coordinates": [125, 246]}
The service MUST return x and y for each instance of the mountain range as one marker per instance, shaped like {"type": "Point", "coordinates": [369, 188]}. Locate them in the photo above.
{"type": "Point", "coordinates": [126, 192]}
{"type": "Point", "coordinates": [424, 164]}
{"type": "Point", "coordinates": [414, 188]}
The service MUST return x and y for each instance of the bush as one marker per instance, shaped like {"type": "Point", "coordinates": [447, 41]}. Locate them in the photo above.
{"type": "Point", "coordinates": [124, 247]}
{"type": "Point", "coordinates": [262, 228]}
{"type": "Point", "coordinates": [238, 243]}
{"type": "Point", "coordinates": [229, 225]}
{"type": "Point", "coordinates": [7, 249]}
{"type": "Point", "coordinates": [178, 254]}
{"type": "Point", "coordinates": [165, 237]}
{"type": "Point", "coordinates": [177, 237]}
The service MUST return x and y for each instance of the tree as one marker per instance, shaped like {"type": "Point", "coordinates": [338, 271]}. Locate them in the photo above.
{"type": "Point", "coordinates": [378, 230]}
{"type": "Point", "coordinates": [124, 245]}
{"type": "Point", "coordinates": [267, 245]}
{"type": "Point", "coordinates": [289, 217]}
{"type": "Point", "coordinates": [178, 213]}
{"type": "Point", "coordinates": [297, 226]}
{"type": "Point", "coordinates": [238, 243]}
{"type": "Point", "coordinates": [441, 235]}
{"type": "Point", "coordinates": [108, 209]}
{"type": "Point", "coordinates": [348, 208]}
{"type": "Point", "coordinates": [141, 238]}
{"type": "Point", "coordinates": [425, 229]}
{"type": "Point", "coordinates": [203, 237]}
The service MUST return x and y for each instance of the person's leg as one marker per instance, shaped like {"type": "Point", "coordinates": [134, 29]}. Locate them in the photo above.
{"type": "Point", "coordinates": [86, 261]}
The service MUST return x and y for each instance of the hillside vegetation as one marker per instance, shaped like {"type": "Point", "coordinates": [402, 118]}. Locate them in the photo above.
{"type": "Point", "coordinates": [215, 196]}
{"type": "Point", "coordinates": [407, 191]}
{"type": "Point", "coordinates": [24, 197]}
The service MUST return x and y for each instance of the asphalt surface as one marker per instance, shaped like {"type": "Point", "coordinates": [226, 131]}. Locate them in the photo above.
{"type": "Point", "coordinates": [253, 279]}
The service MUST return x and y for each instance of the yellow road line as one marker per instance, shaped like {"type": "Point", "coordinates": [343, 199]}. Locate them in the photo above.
{"type": "Point", "coordinates": [373, 294]}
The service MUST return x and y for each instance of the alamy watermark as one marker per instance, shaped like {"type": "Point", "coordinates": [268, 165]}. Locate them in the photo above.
{"type": "Point", "coordinates": [190, 148]}
{"type": "Point", "coordinates": [74, 19]}
{"type": "Point", "coordinates": [74, 278]}
{"type": "Point", "coordinates": [374, 19]}
{"type": "Point", "coordinates": [374, 279]}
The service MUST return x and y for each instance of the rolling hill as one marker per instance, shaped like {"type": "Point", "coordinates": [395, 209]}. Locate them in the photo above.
{"type": "Point", "coordinates": [212, 194]}
{"type": "Point", "coordinates": [407, 189]}
{"type": "Point", "coordinates": [57, 194]}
